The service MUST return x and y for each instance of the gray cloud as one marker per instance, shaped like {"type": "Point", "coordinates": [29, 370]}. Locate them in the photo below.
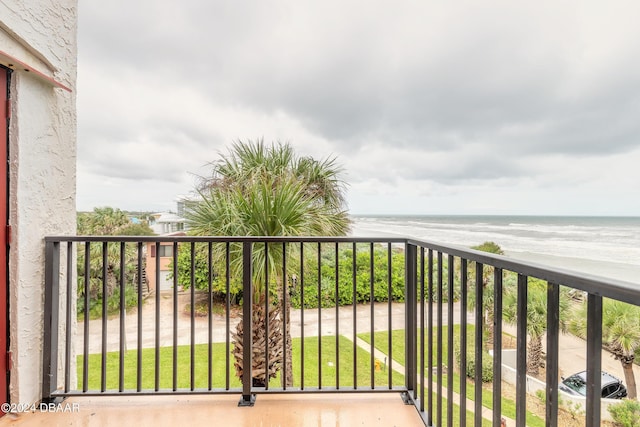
{"type": "Point", "coordinates": [454, 94]}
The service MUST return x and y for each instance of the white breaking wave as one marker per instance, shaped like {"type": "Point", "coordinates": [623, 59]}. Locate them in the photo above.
{"type": "Point", "coordinates": [608, 239]}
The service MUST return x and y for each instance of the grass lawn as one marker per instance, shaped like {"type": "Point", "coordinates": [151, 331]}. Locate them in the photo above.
{"type": "Point", "coordinates": [218, 374]}
{"type": "Point", "coordinates": [312, 366]}
{"type": "Point", "coordinates": [456, 415]}
{"type": "Point", "coordinates": [397, 350]}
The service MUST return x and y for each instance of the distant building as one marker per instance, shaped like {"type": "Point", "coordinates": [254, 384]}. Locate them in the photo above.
{"type": "Point", "coordinates": [166, 223]}
{"type": "Point", "coordinates": [184, 203]}
{"type": "Point", "coordinates": [161, 255]}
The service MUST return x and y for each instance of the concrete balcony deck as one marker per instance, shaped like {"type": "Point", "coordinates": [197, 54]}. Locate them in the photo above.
{"type": "Point", "coordinates": [193, 411]}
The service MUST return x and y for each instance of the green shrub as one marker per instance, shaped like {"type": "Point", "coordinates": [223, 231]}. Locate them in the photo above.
{"type": "Point", "coordinates": [92, 281]}
{"type": "Point", "coordinates": [487, 367]}
{"type": "Point", "coordinates": [113, 303]}
{"type": "Point", "coordinates": [490, 247]}
{"type": "Point", "coordinates": [315, 284]}
{"type": "Point", "coordinates": [470, 369]}
{"type": "Point", "coordinates": [348, 292]}
{"type": "Point", "coordinates": [626, 413]}
{"type": "Point", "coordinates": [201, 272]}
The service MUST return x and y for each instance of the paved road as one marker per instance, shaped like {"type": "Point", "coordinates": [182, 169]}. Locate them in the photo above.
{"type": "Point", "coordinates": [314, 321]}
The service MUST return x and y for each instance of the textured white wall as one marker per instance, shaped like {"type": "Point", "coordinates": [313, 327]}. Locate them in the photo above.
{"type": "Point", "coordinates": [49, 27]}
{"type": "Point", "coordinates": [42, 169]}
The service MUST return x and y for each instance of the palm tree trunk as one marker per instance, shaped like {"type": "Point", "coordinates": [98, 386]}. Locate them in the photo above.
{"type": "Point", "coordinates": [260, 372]}
{"type": "Point", "coordinates": [489, 329]}
{"type": "Point", "coordinates": [629, 376]}
{"type": "Point", "coordinates": [285, 308]}
{"type": "Point", "coordinates": [534, 355]}
{"type": "Point", "coordinates": [289, 347]}
{"type": "Point", "coordinates": [112, 282]}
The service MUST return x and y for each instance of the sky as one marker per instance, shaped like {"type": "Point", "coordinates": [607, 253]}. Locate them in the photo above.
{"type": "Point", "coordinates": [431, 107]}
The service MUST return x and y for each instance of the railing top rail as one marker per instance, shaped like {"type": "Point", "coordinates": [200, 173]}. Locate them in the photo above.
{"type": "Point", "coordinates": [597, 285]}
{"type": "Point", "coordinates": [238, 239]}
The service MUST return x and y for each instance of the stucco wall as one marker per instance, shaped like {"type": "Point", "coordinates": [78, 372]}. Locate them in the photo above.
{"type": "Point", "coordinates": [42, 170]}
{"type": "Point", "coordinates": [49, 28]}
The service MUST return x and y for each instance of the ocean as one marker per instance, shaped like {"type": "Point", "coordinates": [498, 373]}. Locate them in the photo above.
{"type": "Point", "coordinates": [603, 246]}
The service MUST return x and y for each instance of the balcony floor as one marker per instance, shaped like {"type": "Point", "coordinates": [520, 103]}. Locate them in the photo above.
{"type": "Point", "coordinates": [269, 410]}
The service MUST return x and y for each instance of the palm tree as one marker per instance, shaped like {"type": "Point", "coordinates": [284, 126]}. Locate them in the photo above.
{"type": "Point", "coordinates": [103, 221]}
{"type": "Point", "coordinates": [487, 291]}
{"type": "Point", "coordinates": [620, 334]}
{"type": "Point", "coordinates": [106, 221]}
{"type": "Point", "coordinates": [266, 190]}
{"type": "Point", "coordinates": [536, 318]}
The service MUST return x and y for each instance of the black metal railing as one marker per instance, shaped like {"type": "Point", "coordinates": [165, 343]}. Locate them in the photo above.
{"type": "Point", "coordinates": [349, 315]}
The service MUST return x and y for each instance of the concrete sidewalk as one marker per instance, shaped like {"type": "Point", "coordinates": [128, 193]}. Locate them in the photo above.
{"type": "Point", "coordinates": [470, 404]}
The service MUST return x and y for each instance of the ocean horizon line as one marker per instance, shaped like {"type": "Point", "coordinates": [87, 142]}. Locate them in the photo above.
{"type": "Point", "coordinates": [378, 215]}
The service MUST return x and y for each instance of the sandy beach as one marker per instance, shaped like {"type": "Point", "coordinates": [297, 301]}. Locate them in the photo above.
{"type": "Point", "coordinates": [613, 270]}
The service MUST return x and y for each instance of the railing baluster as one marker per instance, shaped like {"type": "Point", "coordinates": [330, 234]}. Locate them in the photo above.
{"type": "Point", "coordinates": [450, 286]}
{"type": "Point", "coordinates": [521, 352]}
{"type": "Point", "coordinates": [210, 316]}
{"type": "Point", "coordinates": [105, 297]}
{"type": "Point", "coordinates": [430, 339]}
{"type": "Point", "coordinates": [594, 359]}
{"type": "Point", "coordinates": [68, 320]}
{"type": "Point", "coordinates": [497, 345]}
{"type": "Point", "coordinates": [337, 303]}
{"type": "Point", "coordinates": [553, 348]}
{"type": "Point", "coordinates": [285, 319]}
{"type": "Point", "coordinates": [422, 331]}
{"type": "Point", "coordinates": [479, 285]}
{"type": "Point", "coordinates": [51, 312]}
{"type": "Point", "coordinates": [355, 317]}
{"type": "Point", "coordinates": [175, 317]}
{"type": "Point", "coordinates": [463, 340]}
{"type": "Point", "coordinates": [372, 316]}
{"type": "Point", "coordinates": [247, 316]}
{"type": "Point", "coordinates": [411, 265]}
{"type": "Point", "coordinates": [123, 309]}
{"type": "Point", "coordinates": [319, 315]}
{"type": "Point", "coordinates": [157, 331]}
{"type": "Point", "coordinates": [228, 313]}
{"type": "Point", "coordinates": [87, 317]}
{"type": "Point", "coordinates": [266, 323]}
{"type": "Point", "coordinates": [439, 414]}
{"type": "Point", "coordinates": [139, 332]}
{"type": "Point", "coordinates": [389, 315]}
{"type": "Point", "coordinates": [192, 354]}
{"type": "Point", "coordinates": [301, 315]}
